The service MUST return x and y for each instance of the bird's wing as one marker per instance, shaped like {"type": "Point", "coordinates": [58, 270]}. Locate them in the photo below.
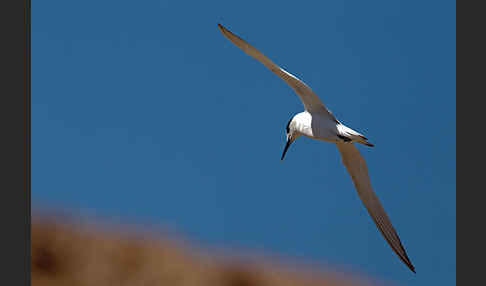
{"type": "Point", "coordinates": [311, 102]}
{"type": "Point", "coordinates": [358, 171]}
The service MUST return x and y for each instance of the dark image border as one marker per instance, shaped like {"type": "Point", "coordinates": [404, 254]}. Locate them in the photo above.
{"type": "Point", "coordinates": [470, 90]}
{"type": "Point", "coordinates": [15, 141]}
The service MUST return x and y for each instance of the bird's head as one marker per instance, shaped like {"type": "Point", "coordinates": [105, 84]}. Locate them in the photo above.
{"type": "Point", "coordinates": [291, 134]}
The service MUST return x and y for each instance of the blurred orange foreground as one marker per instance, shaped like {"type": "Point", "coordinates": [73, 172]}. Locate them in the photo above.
{"type": "Point", "coordinates": [75, 255]}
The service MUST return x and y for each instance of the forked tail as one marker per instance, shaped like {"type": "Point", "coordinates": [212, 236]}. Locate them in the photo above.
{"type": "Point", "coordinates": [348, 134]}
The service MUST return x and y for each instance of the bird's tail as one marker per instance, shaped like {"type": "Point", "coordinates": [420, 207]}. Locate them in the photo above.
{"type": "Point", "coordinates": [365, 142]}
{"type": "Point", "coordinates": [353, 135]}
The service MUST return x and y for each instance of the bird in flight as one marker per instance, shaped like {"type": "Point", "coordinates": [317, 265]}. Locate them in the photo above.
{"type": "Point", "coordinates": [319, 123]}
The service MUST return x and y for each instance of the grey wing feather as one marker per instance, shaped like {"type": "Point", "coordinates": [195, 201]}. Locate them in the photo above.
{"type": "Point", "coordinates": [358, 171]}
{"type": "Point", "coordinates": [311, 101]}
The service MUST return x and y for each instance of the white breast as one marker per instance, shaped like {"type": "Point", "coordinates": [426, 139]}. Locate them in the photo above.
{"type": "Point", "coordinates": [316, 126]}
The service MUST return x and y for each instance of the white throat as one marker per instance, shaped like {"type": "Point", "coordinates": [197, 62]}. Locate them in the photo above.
{"type": "Point", "coordinates": [301, 124]}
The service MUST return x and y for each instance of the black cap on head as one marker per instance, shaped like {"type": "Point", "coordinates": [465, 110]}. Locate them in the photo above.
{"type": "Point", "coordinates": [287, 128]}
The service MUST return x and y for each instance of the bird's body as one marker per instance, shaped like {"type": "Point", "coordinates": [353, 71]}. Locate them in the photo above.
{"type": "Point", "coordinates": [321, 127]}
{"type": "Point", "coordinates": [319, 123]}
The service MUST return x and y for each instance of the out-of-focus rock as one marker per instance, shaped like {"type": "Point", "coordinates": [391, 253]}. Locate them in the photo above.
{"type": "Point", "coordinates": [75, 255]}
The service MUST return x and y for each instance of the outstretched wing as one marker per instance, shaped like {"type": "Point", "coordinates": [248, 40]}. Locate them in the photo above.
{"type": "Point", "coordinates": [311, 102]}
{"type": "Point", "coordinates": [358, 171]}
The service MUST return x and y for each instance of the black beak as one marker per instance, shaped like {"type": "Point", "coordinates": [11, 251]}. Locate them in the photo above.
{"type": "Point", "coordinates": [289, 141]}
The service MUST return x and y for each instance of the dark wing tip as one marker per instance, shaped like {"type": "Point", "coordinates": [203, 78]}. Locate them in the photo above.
{"type": "Point", "coordinates": [398, 249]}
{"type": "Point", "coordinates": [404, 257]}
{"type": "Point", "coordinates": [408, 262]}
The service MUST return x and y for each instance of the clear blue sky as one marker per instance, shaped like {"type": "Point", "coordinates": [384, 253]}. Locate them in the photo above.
{"type": "Point", "coordinates": [143, 112]}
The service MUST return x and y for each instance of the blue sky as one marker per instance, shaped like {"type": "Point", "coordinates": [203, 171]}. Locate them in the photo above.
{"type": "Point", "coordinates": [143, 112]}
